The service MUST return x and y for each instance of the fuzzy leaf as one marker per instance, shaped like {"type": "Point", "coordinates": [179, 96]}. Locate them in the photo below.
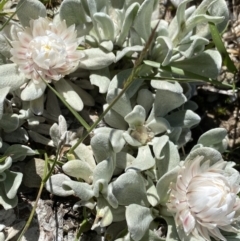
{"type": "Point", "coordinates": [206, 64]}
{"type": "Point", "coordinates": [142, 22]}
{"type": "Point", "coordinates": [19, 152]}
{"type": "Point", "coordinates": [80, 189]}
{"type": "Point", "coordinates": [183, 118]}
{"type": "Point", "coordinates": [138, 224]}
{"type": "Point", "coordinates": [68, 93]}
{"type": "Point", "coordinates": [9, 122]}
{"type": "Point", "coordinates": [30, 9]}
{"type": "Point", "coordinates": [12, 182]}
{"type": "Point", "coordinates": [123, 105]}
{"type": "Point", "coordinates": [74, 13]}
{"type": "Point", "coordinates": [127, 23]}
{"type": "Point", "coordinates": [136, 117]}
{"type": "Point", "coordinates": [55, 185]}
{"type": "Point", "coordinates": [144, 159]}
{"type": "Point", "coordinates": [104, 27]}
{"type": "Point", "coordinates": [11, 77]}
{"type": "Point", "coordinates": [130, 188]}
{"type": "Point", "coordinates": [78, 169]}
{"type": "Point", "coordinates": [95, 59]}
{"type": "Point", "coordinates": [100, 78]}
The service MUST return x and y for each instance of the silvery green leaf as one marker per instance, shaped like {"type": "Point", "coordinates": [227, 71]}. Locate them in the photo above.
{"type": "Point", "coordinates": [215, 138]}
{"type": "Point", "coordinates": [104, 27]}
{"type": "Point", "coordinates": [37, 105]}
{"type": "Point", "coordinates": [115, 137]}
{"type": "Point", "coordinates": [107, 214]}
{"type": "Point", "coordinates": [162, 51]}
{"type": "Point", "coordinates": [84, 95]}
{"type": "Point", "coordinates": [172, 86]}
{"type": "Point", "coordinates": [30, 9]}
{"type": "Point", "coordinates": [119, 79]}
{"type": "Point", "coordinates": [144, 159]}
{"type": "Point", "coordinates": [79, 169]}
{"type": "Point", "coordinates": [183, 118]}
{"type": "Point", "coordinates": [208, 153]}
{"type": "Point", "coordinates": [164, 182]}
{"type": "Point", "coordinates": [207, 64]}
{"type": "Point", "coordinates": [158, 145]}
{"type": "Point", "coordinates": [6, 164]}
{"type": "Point", "coordinates": [85, 153]}
{"type": "Point", "coordinates": [40, 138]}
{"type": "Point", "coordinates": [54, 133]}
{"type": "Point", "coordinates": [52, 107]}
{"type": "Point", "coordinates": [172, 234]}
{"type": "Point", "coordinates": [107, 45]}
{"type": "Point", "coordinates": [128, 51]}
{"type": "Point", "coordinates": [100, 78]}
{"type": "Point", "coordinates": [101, 147]}
{"type": "Point", "coordinates": [12, 182]}
{"type": "Point", "coordinates": [136, 117]}
{"type": "Point", "coordinates": [2, 236]}
{"type": "Point", "coordinates": [184, 137]}
{"type": "Point", "coordinates": [19, 152]}
{"type": "Point", "coordinates": [142, 22]}
{"type": "Point", "coordinates": [175, 134]}
{"type": "Point", "coordinates": [62, 124]}
{"type": "Point", "coordinates": [69, 94]}
{"type": "Point", "coordinates": [114, 230]}
{"type": "Point", "coordinates": [193, 46]}
{"type": "Point", "coordinates": [123, 160]}
{"type": "Point", "coordinates": [74, 13]}
{"type": "Point", "coordinates": [20, 135]}
{"type": "Point", "coordinates": [138, 140]}
{"type": "Point", "coordinates": [159, 125]}
{"type": "Point", "coordinates": [88, 204]}
{"type": "Point", "coordinates": [145, 99]}
{"type": "Point", "coordinates": [9, 122]}
{"type": "Point", "coordinates": [3, 93]}
{"type": "Point", "coordinates": [190, 105]}
{"type": "Point", "coordinates": [169, 156]}
{"type": "Point", "coordinates": [179, 20]}
{"type": "Point", "coordinates": [96, 6]}
{"type": "Point", "coordinates": [11, 77]}
{"type": "Point", "coordinates": [96, 58]}
{"type": "Point", "coordinates": [127, 23]}
{"type": "Point", "coordinates": [138, 224]}
{"type": "Point", "coordinates": [135, 39]}
{"type": "Point", "coordinates": [54, 185]}
{"type": "Point", "coordinates": [5, 201]}
{"type": "Point", "coordinates": [33, 91]}
{"type": "Point", "coordinates": [123, 105]}
{"type": "Point", "coordinates": [166, 101]}
{"type": "Point", "coordinates": [113, 119]}
{"type": "Point", "coordinates": [152, 195]}
{"type": "Point", "coordinates": [217, 8]}
{"type": "Point", "coordinates": [103, 174]}
{"type": "Point", "coordinates": [80, 189]}
{"type": "Point", "coordinates": [130, 188]}
{"type": "Point", "coordinates": [104, 214]}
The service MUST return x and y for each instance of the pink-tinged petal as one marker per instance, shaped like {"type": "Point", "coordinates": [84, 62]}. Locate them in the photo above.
{"type": "Point", "coordinates": [188, 221]}
{"type": "Point", "coordinates": [203, 200]}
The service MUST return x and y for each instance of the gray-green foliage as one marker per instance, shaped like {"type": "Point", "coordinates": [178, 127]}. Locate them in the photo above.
{"type": "Point", "coordinates": [130, 163]}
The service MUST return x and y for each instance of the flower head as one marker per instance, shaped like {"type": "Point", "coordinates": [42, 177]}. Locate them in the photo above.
{"type": "Point", "coordinates": [46, 50]}
{"type": "Point", "coordinates": [204, 198]}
